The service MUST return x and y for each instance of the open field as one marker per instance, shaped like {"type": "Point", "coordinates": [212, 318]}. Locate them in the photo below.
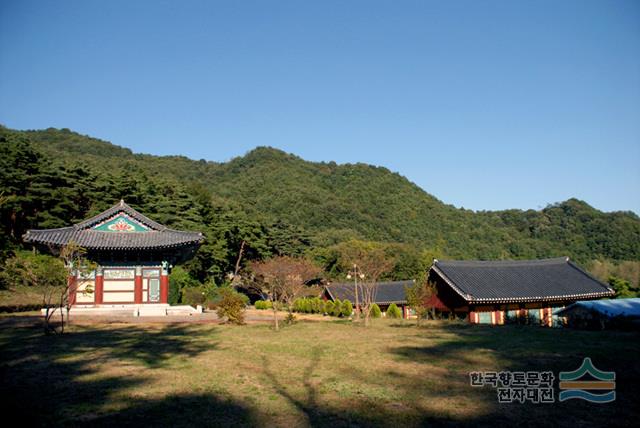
{"type": "Point", "coordinates": [309, 374]}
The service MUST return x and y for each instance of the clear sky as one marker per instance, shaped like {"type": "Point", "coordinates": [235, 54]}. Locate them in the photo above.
{"type": "Point", "coordinates": [484, 104]}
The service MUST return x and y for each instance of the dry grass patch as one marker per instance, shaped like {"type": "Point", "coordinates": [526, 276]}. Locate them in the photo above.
{"type": "Point", "coordinates": [308, 374]}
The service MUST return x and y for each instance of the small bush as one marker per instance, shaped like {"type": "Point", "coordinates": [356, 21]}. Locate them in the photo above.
{"type": "Point", "coordinates": [193, 296]}
{"type": "Point", "coordinates": [337, 308]}
{"type": "Point", "coordinates": [290, 318]}
{"type": "Point", "coordinates": [394, 311]}
{"type": "Point", "coordinates": [263, 304]}
{"type": "Point", "coordinates": [347, 308]}
{"type": "Point", "coordinates": [375, 311]}
{"type": "Point", "coordinates": [179, 282]}
{"type": "Point", "coordinates": [231, 305]}
{"type": "Point", "coordinates": [32, 270]}
{"type": "Point", "coordinates": [328, 307]}
{"type": "Point", "coordinates": [317, 305]}
{"type": "Point", "coordinates": [174, 293]}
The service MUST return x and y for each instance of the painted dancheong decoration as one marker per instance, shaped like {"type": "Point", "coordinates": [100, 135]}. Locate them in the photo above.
{"type": "Point", "coordinates": [134, 255]}
{"type": "Point", "coordinates": [572, 387]}
{"type": "Point", "coordinates": [121, 223]}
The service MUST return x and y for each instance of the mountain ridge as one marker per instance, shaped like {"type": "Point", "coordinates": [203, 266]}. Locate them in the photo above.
{"type": "Point", "coordinates": [282, 154]}
{"type": "Point", "coordinates": [330, 202]}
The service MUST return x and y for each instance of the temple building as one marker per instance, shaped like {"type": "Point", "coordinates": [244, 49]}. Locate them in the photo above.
{"type": "Point", "coordinates": [134, 256]}
{"type": "Point", "coordinates": [385, 294]}
{"type": "Point", "coordinates": [493, 292]}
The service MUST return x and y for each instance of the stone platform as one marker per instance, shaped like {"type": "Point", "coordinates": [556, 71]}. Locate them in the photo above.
{"type": "Point", "coordinates": [146, 310]}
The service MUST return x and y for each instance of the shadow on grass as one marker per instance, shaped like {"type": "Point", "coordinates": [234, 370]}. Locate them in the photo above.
{"type": "Point", "coordinates": [50, 380]}
{"type": "Point", "coordinates": [186, 410]}
{"type": "Point", "coordinates": [46, 383]}
{"type": "Point", "coordinates": [464, 348]}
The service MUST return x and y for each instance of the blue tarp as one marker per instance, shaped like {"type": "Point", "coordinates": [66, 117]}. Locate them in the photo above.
{"type": "Point", "coordinates": [609, 307]}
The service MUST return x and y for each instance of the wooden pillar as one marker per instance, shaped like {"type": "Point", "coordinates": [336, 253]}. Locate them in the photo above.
{"type": "Point", "coordinates": [137, 286]}
{"type": "Point", "coordinates": [472, 317]}
{"type": "Point", "coordinates": [98, 293]}
{"type": "Point", "coordinates": [164, 288]}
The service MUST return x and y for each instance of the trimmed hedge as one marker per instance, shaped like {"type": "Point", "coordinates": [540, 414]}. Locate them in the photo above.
{"type": "Point", "coordinates": [347, 308]}
{"type": "Point", "coordinates": [393, 311]}
{"type": "Point", "coordinates": [375, 311]}
{"type": "Point", "coordinates": [315, 305]}
{"type": "Point", "coordinates": [263, 304]}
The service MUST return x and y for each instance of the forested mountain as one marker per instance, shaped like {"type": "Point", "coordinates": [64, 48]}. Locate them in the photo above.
{"type": "Point", "coordinates": [280, 203]}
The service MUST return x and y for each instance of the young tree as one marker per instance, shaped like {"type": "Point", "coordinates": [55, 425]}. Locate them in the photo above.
{"type": "Point", "coordinates": [419, 296]}
{"type": "Point", "coordinates": [282, 280]}
{"type": "Point", "coordinates": [59, 298]}
{"type": "Point", "coordinates": [372, 262]}
{"type": "Point", "coordinates": [231, 305]}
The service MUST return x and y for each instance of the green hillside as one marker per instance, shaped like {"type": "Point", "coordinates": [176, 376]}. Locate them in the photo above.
{"type": "Point", "coordinates": [280, 203]}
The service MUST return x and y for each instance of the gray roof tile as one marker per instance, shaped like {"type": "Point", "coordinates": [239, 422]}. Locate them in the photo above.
{"type": "Point", "coordinates": [83, 234]}
{"type": "Point", "coordinates": [519, 281]}
{"type": "Point", "coordinates": [386, 293]}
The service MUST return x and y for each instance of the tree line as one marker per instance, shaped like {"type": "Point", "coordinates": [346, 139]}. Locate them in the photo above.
{"type": "Point", "coordinates": [269, 203]}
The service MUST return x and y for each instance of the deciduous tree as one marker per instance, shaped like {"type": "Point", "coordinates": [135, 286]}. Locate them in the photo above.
{"type": "Point", "coordinates": [281, 280]}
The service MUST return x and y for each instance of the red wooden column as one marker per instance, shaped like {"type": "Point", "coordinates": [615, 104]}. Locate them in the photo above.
{"type": "Point", "coordinates": [164, 283]}
{"type": "Point", "coordinates": [71, 281]}
{"type": "Point", "coordinates": [137, 286]}
{"type": "Point", "coordinates": [472, 317]}
{"type": "Point", "coordinates": [164, 288]}
{"type": "Point", "coordinates": [99, 288]}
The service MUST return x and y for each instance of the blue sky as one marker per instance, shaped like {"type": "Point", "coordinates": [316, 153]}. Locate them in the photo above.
{"type": "Point", "coordinates": [486, 105]}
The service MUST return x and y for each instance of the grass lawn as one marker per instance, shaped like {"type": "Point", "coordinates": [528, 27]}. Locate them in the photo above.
{"type": "Point", "coordinates": [310, 374]}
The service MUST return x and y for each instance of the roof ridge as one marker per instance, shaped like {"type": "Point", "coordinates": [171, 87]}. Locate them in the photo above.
{"type": "Point", "coordinates": [492, 263]}
{"type": "Point", "coordinates": [121, 206]}
{"type": "Point", "coordinates": [584, 272]}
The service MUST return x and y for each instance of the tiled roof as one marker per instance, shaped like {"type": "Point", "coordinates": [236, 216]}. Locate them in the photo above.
{"type": "Point", "coordinates": [519, 281]}
{"type": "Point", "coordinates": [386, 292]}
{"type": "Point", "coordinates": [156, 236]}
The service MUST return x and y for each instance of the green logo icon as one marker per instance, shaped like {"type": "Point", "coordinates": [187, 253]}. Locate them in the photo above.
{"type": "Point", "coordinates": [572, 386]}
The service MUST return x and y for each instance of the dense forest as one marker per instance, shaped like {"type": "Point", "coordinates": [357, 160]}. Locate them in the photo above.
{"type": "Point", "coordinates": [281, 204]}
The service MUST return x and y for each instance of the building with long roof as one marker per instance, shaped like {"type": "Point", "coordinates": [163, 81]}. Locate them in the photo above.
{"type": "Point", "coordinates": [385, 293]}
{"type": "Point", "coordinates": [490, 291]}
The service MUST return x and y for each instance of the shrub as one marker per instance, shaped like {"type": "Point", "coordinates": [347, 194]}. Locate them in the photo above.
{"type": "Point", "coordinates": [347, 308]}
{"type": "Point", "coordinates": [231, 305]}
{"type": "Point", "coordinates": [337, 308]}
{"type": "Point", "coordinates": [32, 270]}
{"type": "Point", "coordinates": [394, 311]}
{"type": "Point", "coordinates": [179, 282]}
{"type": "Point", "coordinates": [306, 306]}
{"type": "Point", "coordinates": [174, 293]}
{"type": "Point", "coordinates": [263, 304]}
{"type": "Point", "coordinates": [328, 307]}
{"type": "Point", "coordinates": [290, 318]}
{"type": "Point", "coordinates": [375, 311]}
{"type": "Point", "coordinates": [317, 305]}
{"type": "Point", "coordinates": [193, 296]}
